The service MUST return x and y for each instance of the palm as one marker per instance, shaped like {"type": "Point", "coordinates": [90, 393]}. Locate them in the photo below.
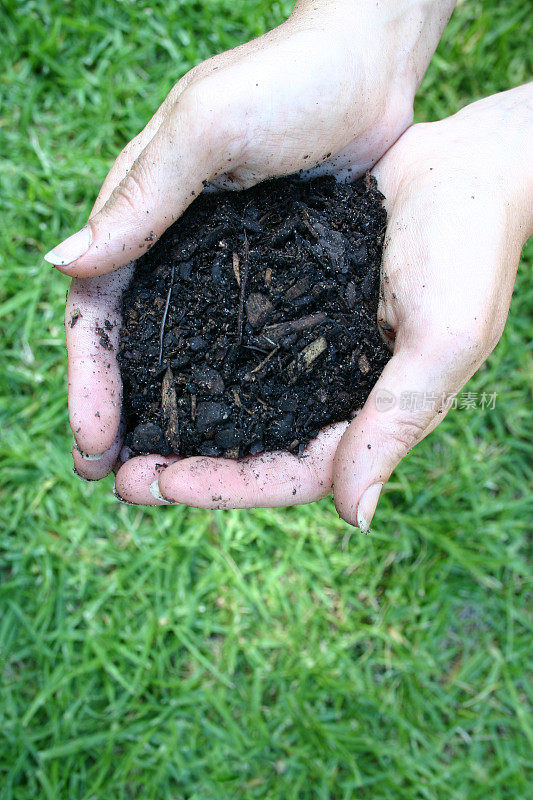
{"type": "Point", "coordinates": [324, 128]}
{"type": "Point", "coordinates": [445, 317]}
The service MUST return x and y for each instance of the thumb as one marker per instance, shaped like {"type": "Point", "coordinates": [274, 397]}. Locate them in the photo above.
{"type": "Point", "coordinates": [412, 396]}
{"type": "Point", "coordinates": [192, 146]}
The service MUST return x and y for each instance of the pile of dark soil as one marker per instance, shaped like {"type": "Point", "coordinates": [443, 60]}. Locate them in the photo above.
{"type": "Point", "coordinates": [251, 324]}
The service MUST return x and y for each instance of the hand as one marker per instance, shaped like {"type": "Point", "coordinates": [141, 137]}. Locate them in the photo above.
{"type": "Point", "coordinates": [329, 90]}
{"type": "Point", "coordinates": [459, 203]}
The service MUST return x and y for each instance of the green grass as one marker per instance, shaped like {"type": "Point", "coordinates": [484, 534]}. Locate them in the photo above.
{"type": "Point", "coordinates": [175, 653]}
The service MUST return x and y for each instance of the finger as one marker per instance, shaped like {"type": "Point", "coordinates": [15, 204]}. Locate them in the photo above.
{"type": "Point", "coordinates": [265, 481]}
{"type": "Point", "coordinates": [94, 375]}
{"type": "Point", "coordinates": [93, 468]}
{"type": "Point", "coordinates": [443, 321]}
{"type": "Point", "coordinates": [94, 386]}
{"type": "Point", "coordinates": [134, 478]}
{"type": "Point", "coordinates": [411, 397]}
{"type": "Point", "coordinates": [92, 325]}
{"type": "Point", "coordinates": [191, 146]}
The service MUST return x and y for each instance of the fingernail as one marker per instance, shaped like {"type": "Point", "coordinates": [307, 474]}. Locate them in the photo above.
{"type": "Point", "coordinates": [367, 506]}
{"type": "Point", "coordinates": [88, 456]}
{"type": "Point", "coordinates": [154, 491]}
{"type": "Point", "coordinates": [75, 471]}
{"type": "Point", "coordinates": [121, 499]}
{"type": "Point", "coordinates": [72, 248]}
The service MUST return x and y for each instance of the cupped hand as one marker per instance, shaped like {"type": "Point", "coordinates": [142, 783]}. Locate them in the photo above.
{"type": "Point", "coordinates": [329, 90]}
{"type": "Point", "coordinates": [459, 203]}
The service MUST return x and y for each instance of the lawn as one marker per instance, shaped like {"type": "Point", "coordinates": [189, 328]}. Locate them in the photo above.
{"type": "Point", "coordinates": [179, 654]}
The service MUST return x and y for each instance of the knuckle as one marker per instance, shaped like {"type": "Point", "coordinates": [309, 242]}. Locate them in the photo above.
{"type": "Point", "coordinates": [406, 433]}
{"type": "Point", "coordinates": [195, 74]}
{"type": "Point", "coordinates": [314, 472]}
{"type": "Point", "coordinates": [184, 83]}
{"type": "Point", "coordinates": [128, 149]}
{"type": "Point", "coordinates": [197, 103]}
{"type": "Point", "coordinates": [210, 110]}
{"type": "Point", "coordinates": [132, 191]}
{"type": "Point", "coordinates": [177, 90]}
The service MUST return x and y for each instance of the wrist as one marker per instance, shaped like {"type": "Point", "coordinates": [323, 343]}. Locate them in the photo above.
{"type": "Point", "coordinates": [405, 32]}
{"type": "Point", "coordinates": [413, 29]}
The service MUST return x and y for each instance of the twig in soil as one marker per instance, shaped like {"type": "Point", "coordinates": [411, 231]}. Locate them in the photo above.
{"type": "Point", "coordinates": [309, 227]}
{"type": "Point", "coordinates": [274, 333]}
{"type": "Point", "coordinates": [236, 270]}
{"type": "Point", "coordinates": [170, 410]}
{"type": "Point", "coordinates": [244, 276]}
{"type": "Point", "coordinates": [248, 376]}
{"type": "Point", "coordinates": [305, 358]}
{"type": "Point", "coordinates": [165, 312]}
{"type": "Point", "coordinates": [257, 349]}
{"type": "Point", "coordinates": [308, 246]}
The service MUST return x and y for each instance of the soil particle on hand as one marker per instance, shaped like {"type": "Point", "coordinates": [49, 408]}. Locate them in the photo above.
{"type": "Point", "coordinates": [75, 316]}
{"type": "Point", "coordinates": [269, 331]}
{"type": "Point", "coordinates": [104, 339]}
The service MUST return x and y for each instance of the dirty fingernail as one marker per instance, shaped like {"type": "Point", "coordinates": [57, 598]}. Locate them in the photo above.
{"type": "Point", "coordinates": [121, 499]}
{"type": "Point", "coordinates": [81, 477]}
{"type": "Point", "coordinates": [87, 456]}
{"type": "Point", "coordinates": [154, 491]}
{"type": "Point", "coordinates": [367, 506]}
{"type": "Point", "coordinates": [72, 248]}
